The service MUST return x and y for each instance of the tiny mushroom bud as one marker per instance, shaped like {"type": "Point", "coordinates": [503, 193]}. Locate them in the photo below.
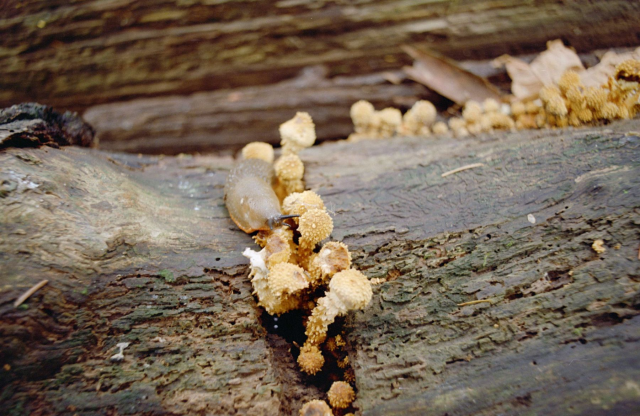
{"type": "Point", "coordinates": [289, 167]}
{"type": "Point", "coordinates": [440, 127]}
{"type": "Point", "coordinates": [310, 359]}
{"type": "Point", "coordinates": [491, 105]}
{"type": "Point", "coordinates": [362, 115]}
{"type": "Point", "coordinates": [258, 150]}
{"type": "Point", "coordinates": [316, 408]}
{"type": "Point", "coordinates": [340, 395]}
{"type": "Point", "coordinates": [472, 111]}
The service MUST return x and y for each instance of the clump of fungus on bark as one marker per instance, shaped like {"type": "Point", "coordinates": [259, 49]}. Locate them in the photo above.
{"type": "Point", "coordinates": [294, 269]}
{"type": "Point", "coordinates": [341, 395]}
{"type": "Point", "coordinates": [562, 101]}
{"type": "Point", "coordinates": [316, 408]}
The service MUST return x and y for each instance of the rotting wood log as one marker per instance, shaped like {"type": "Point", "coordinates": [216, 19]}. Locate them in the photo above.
{"type": "Point", "coordinates": [229, 119]}
{"type": "Point", "coordinates": [74, 55]}
{"type": "Point", "coordinates": [140, 249]}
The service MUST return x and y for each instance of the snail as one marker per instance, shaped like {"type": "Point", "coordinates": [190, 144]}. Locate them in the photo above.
{"type": "Point", "coordinates": [249, 196]}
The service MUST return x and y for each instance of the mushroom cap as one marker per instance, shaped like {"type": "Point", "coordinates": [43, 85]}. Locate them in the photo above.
{"type": "Point", "coordinates": [333, 257]}
{"type": "Point", "coordinates": [362, 113]}
{"type": "Point", "coordinates": [300, 202]}
{"type": "Point", "coordinates": [491, 105]}
{"type": "Point", "coordinates": [310, 359]}
{"type": "Point", "coordinates": [390, 116]}
{"type": "Point", "coordinates": [472, 111]}
{"type": "Point", "coordinates": [341, 395]}
{"type": "Point", "coordinates": [316, 408]}
{"type": "Point", "coordinates": [258, 150]}
{"type": "Point", "coordinates": [278, 247]}
{"type": "Point", "coordinates": [569, 79]}
{"type": "Point", "coordinates": [440, 127]}
{"type": "Point", "coordinates": [287, 278]}
{"type": "Point", "coordinates": [298, 133]}
{"type": "Point", "coordinates": [314, 225]}
{"type": "Point", "coordinates": [352, 288]}
{"type": "Point", "coordinates": [289, 167]}
{"type": "Point", "coordinates": [425, 112]}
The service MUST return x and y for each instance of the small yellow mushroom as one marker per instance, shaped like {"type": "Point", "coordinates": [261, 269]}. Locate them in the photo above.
{"type": "Point", "coordinates": [290, 170]}
{"type": "Point", "coordinates": [439, 128]}
{"type": "Point", "coordinates": [314, 226]}
{"type": "Point", "coordinates": [333, 257]}
{"type": "Point", "coordinates": [570, 79]}
{"type": "Point", "coordinates": [287, 279]}
{"type": "Point", "coordinates": [363, 117]}
{"type": "Point", "coordinates": [316, 408]}
{"type": "Point", "coordinates": [348, 290]}
{"type": "Point", "coordinates": [298, 203]}
{"type": "Point", "coordinates": [341, 395]}
{"type": "Point", "coordinates": [491, 105]}
{"type": "Point", "coordinates": [297, 133]}
{"type": "Point", "coordinates": [472, 112]}
{"type": "Point", "coordinates": [310, 359]}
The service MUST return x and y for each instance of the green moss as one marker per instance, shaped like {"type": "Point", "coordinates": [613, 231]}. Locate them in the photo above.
{"type": "Point", "coordinates": [167, 275]}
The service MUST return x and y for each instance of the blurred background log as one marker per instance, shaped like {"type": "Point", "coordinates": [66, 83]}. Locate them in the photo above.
{"type": "Point", "coordinates": [240, 59]}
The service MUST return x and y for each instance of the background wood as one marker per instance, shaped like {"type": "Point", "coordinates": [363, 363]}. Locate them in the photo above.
{"type": "Point", "coordinates": [140, 249]}
{"type": "Point", "coordinates": [86, 53]}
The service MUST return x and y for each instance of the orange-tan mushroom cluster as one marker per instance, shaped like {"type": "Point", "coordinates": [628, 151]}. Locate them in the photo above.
{"type": "Point", "coordinates": [298, 269]}
{"type": "Point", "coordinates": [567, 103]}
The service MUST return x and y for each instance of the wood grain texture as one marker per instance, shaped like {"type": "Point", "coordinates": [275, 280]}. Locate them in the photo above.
{"type": "Point", "coordinates": [140, 249]}
{"type": "Point", "coordinates": [73, 55]}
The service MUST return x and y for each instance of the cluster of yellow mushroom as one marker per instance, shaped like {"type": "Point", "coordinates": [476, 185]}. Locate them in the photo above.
{"type": "Point", "coordinates": [340, 396]}
{"type": "Point", "coordinates": [569, 103]}
{"type": "Point", "coordinates": [293, 267]}
{"type": "Point", "coordinates": [372, 124]}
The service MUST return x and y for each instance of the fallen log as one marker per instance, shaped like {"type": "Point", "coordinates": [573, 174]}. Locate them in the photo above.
{"type": "Point", "coordinates": [140, 250]}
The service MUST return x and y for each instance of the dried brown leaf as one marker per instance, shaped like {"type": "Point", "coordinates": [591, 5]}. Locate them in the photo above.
{"type": "Point", "coordinates": [447, 78]}
{"type": "Point", "coordinates": [545, 69]}
{"type": "Point", "coordinates": [598, 75]}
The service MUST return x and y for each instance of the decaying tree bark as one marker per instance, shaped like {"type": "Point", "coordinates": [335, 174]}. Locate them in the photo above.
{"type": "Point", "coordinates": [98, 55]}
{"type": "Point", "coordinates": [140, 250]}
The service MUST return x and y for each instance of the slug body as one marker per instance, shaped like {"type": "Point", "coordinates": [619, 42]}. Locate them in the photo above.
{"type": "Point", "coordinates": [249, 196]}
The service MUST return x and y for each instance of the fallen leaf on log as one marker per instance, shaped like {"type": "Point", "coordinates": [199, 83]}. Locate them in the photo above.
{"type": "Point", "coordinates": [447, 78]}
{"type": "Point", "coordinates": [548, 67]}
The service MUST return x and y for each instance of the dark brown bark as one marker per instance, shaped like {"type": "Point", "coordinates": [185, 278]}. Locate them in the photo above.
{"type": "Point", "coordinates": [233, 54]}
{"type": "Point", "coordinates": [78, 54]}
{"type": "Point", "coordinates": [140, 249]}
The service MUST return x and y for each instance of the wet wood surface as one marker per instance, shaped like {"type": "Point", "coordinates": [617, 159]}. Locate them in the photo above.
{"type": "Point", "coordinates": [140, 249]}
